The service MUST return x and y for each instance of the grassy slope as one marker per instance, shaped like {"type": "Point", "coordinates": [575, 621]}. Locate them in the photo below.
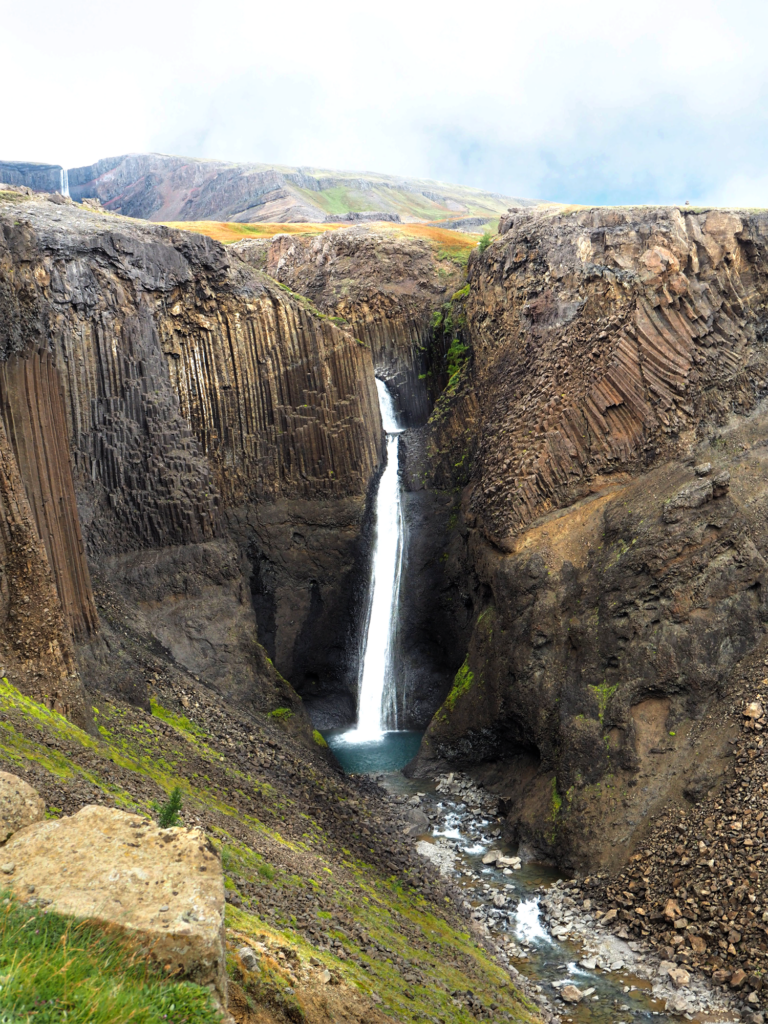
{"type": "Point", "coordinates": [305, 860]}
{"type": "Point", "coordinates": [53, 969]}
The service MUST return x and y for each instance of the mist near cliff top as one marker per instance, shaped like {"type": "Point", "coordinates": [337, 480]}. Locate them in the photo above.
{"type": "Point", "coordinates": [595, 102]}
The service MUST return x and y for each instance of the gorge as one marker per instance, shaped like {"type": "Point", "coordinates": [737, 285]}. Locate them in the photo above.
{"type": "Point", "coordinates": [350, 483]}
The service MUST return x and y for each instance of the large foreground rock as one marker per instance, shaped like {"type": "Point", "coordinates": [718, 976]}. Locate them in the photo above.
{"type": "Point", "coordinates": [20, 805]}
{"type": "Point", "coordinates": [166, 886]}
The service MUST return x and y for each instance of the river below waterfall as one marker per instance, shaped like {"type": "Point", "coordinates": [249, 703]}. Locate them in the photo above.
{"type": "Point", "coordinates": [540, 931]}
{"type": "Point", "coordinates": [551, 945]}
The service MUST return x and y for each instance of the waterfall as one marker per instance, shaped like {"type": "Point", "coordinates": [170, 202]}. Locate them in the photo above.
{"type": "Point", "coordinates": [64, 189]}
{"type": "Point", "coordinates": [377, 677]}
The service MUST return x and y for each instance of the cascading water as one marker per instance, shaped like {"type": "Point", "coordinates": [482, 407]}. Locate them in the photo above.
{"type": "Point", "coordinates": [377, 694]}
{"type": "Point", "coordinates": [64, 189]}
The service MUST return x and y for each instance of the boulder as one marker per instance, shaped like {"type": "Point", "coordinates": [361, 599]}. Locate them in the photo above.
{"type": "Point", "coordinates": [491, 857]}
{"type": "Point", "coordinates": [570, 994]}
{"type": "Point", "coordinates": [20, 805]}
{"type": "Point", "coordinates": [509, 862]}
{"type": "Point", "coordinates": [418, 818]}
{"type": "Point", "coordinates": [679, 977]}
{"type": "Point", "coordinates": [163, 886]}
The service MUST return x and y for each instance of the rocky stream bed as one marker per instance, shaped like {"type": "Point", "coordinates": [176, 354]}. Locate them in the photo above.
{"type": "Point", "coordinates": [548, 933]}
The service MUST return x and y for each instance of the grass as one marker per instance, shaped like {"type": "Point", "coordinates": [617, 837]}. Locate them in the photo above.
{"type": "Point", "coordinates": [264, 856]}
{"type": "Point", "coordinates": [449, 245]}
{"type": "Point", "coordinates": [226, 231]}
{"type": "Point", "coordinates": [53, 969]}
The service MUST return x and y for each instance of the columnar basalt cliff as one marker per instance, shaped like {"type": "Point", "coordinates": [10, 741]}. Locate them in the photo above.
{"type": "Point", "coordinates": [200, 403]}
{"type": "Point", "coordinates": [389, 288]}
{"type": "Point", "coordinates": [610, 544]}
{"type": "Point", "coordinates": [385, 285]}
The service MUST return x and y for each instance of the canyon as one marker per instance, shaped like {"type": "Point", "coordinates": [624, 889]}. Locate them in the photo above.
{"type": "Point", "coordinates": [190, 447]}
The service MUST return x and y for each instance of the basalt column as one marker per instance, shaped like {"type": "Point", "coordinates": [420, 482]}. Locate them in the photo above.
{"type": "Point", "coordinates": [32, 407]}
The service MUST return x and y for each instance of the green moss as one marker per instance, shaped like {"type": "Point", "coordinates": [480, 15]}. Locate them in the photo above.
{"type": "Point", "coordinates": [319, 739]}
{"type": "Point", "coordinates": [462, 683]}
{"type": "Point", "coordinates": [557, 800]}
{"type": "Point", "coordinates": [281, 714]}
{"type": "Point", "coordinates": [456, 357]}
{"type": "Point", "coordinates": [180, 722]}
{"type": "Point", "coordinates": [603, 693]}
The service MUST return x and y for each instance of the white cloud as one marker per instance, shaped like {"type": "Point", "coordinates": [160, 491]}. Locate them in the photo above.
{"type": "Point", "coordinates": [591, 102]}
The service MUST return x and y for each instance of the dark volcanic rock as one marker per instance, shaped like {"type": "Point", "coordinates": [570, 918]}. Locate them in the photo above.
{"type": "Point", "coordinates": [614, 591]}
{"type": "Point", "coordinates": [193, 391]}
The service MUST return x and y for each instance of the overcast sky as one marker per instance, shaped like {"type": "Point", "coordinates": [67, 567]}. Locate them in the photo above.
{"type": "Point", "coordinates": [595, 101]}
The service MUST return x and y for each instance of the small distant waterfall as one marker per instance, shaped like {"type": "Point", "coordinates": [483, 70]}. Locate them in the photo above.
{"type": "Point", "coordinates": [376, 702]}
{"type": "Point", "coordinates": [64, 189]}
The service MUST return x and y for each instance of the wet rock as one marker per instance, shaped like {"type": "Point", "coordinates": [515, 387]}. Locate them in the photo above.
{"type": "Point", "coordinates": [571, 994]}
{"type": "Point", "coordinates": [417, 818]}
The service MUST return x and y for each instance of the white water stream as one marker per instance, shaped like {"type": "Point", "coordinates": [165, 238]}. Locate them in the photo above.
{"type": "Point", "coordinates": [64, 182]}
{"type": "Point", "coordinates": [377, 709]}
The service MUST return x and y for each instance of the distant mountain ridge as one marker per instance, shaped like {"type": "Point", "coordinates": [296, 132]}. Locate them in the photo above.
{"type": "Point", "coordinates": [157, 187]}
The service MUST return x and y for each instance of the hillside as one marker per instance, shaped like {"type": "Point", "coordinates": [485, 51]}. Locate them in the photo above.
{"type": "Point", "coordinates": [170, 188]}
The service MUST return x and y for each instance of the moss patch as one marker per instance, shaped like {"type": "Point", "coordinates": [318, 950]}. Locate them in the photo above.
{"type": "Point", "coordinates": [462, 683]}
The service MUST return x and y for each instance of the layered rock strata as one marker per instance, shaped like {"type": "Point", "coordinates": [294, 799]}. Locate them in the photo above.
{"type": "Point", "coordinates": [610, 545]}
{"type": "Point", "coordinates": [173, 188]}
{"type": "Point", "coordinates": [192, 391]}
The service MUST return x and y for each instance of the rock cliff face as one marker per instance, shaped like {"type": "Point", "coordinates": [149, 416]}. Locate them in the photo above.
{"type": "Point", "coordinates": [192, 393]}
{"type": "Point", "coordinates": [611, 547]}
{"type": "Point", "coordinates": [386, 286]}
{"type": "Point", "coordinates": [41, 177]}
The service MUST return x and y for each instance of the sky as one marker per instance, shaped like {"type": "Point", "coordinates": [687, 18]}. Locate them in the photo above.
{"type": "Point", "coordinates": [586, 102]}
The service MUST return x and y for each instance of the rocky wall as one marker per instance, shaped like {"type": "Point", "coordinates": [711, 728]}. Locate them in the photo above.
{"type": "Point", "coordinates": [610, 541]}
{"type": "Point", "coordinates": [194, 390]}
{"type": "Point", "coordinates": [385, 285]}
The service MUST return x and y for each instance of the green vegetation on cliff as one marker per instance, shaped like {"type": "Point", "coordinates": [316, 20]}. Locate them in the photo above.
{"type": "Point", "coordinates": [462, 683]}
{"type": "Point", "coordinates": [302, 867]}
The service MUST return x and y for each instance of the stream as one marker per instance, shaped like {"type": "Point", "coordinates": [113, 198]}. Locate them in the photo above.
{"type": "Point", "coordinates": [586, 974]}
{"type": "Point", "coordinates": [544, 935]}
